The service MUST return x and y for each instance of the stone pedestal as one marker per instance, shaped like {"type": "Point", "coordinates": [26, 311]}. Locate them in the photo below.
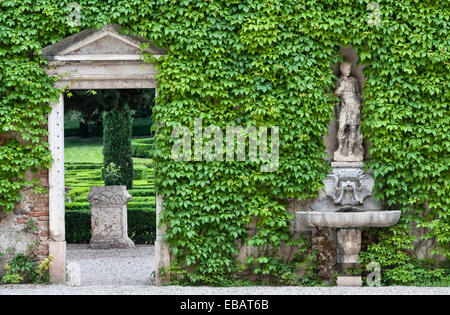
{"type": "Point", "coordinates": [348, 247]}
{"type": "Point", "coordinates": [338, 157]}
{"type": "Point", "coordinates": [349, 281]}
{"type": "Point", "coordinates": [109, 217]}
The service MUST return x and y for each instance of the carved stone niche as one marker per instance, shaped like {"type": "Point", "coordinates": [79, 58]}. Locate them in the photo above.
{"type": "Point", "coordinates": [109, 217]}
{"type": "Point", "coordinates": [349, 55]}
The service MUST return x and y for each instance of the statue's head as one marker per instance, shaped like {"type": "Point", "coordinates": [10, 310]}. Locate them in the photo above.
{"type": "Point", "coordinates": [346, 68]}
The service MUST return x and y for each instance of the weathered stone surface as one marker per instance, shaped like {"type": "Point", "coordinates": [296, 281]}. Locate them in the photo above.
{"type": "Point", "coordinates": [349, 219]}
{"type": "Point", "coordinates": [16, 233]}
{"type": "Point", "coordinates": [73, 272]}
{"type": "Point", "coordinates": [99, 59]}
{"type": "Point", "coordinates": [109, 217]}
{"type": "Point", "coordinates": [423, 248]}
{"type": "Point", "coordinates": [347, 165]}
{"type": "Point", "coordinates": [57, 268]}
{"type": "Point", "coordinates": [349, 281]}
{"type": "Point", "coordinates": [323, 241]}
{"type": "Point", "coordinates": [91, 59]}
{"type": "Point", "coordinates": [349, 117]}
{"type": "Point", "coordinates": [348, 245]}
{"type": "Point", "coordinates": [13, 237]}
{"type": "Point", "coordinates": [347, 187]}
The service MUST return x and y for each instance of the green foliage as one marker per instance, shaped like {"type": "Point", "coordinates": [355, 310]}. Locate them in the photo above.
{"type": "Point", "coordinates": [141, 225]}
{"type": "Point", "coordinates": [261, 63]}
{"type": "Point", "coordinates": [246, 64]}
{"type": "Point", "coordinates": [415, 274]}
{"type": "Point", "coordinates": [140, 172]}
{"type": "Point", "coordinates": [78, 226]}
{"type": "Point", "coordinates": [301, 270]}
{"type": "Point", "coordinates": [117, 159]}
{"type": "Point", "coordinates": [112, 175]}
{"type": "Point", "coordinates": [407, 106]}
{"type": "Point", "coordinates": [393, 250]}
{"type": "Point", "coordinates": [144, 203]}
{"type": "Point", "coordinates": [142, 148]}
{"type": "Point", "coordinates": [142, 127]}
{"type": "Point", "coordinates": [89, 106]}
{"type": "Point", "coordinates": [23, 269]}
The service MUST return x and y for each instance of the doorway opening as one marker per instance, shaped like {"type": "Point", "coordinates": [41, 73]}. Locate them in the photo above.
{"type": "Point", "coordinates": [88, 129]}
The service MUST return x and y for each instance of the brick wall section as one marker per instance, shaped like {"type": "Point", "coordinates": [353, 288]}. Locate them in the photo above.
{"type": "Point", "coordinates": [40, 215]}
{"type": "Point", "coordinates": [35, 207]}
{"type": "Point", "coordinates": [15, 232]}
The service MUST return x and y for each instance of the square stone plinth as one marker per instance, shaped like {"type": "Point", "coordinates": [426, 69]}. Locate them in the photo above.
{"type": "Point", "coordinates": [109, 217]}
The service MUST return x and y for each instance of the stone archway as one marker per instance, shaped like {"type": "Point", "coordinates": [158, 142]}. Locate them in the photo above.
{"type": "Point", "coordinates": [91, 59]}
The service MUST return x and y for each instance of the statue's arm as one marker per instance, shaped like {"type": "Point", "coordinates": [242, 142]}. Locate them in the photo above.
{"type": "Point", "coordinates": [338, 91]}
{"type": "Point", "coordinates": [340, 87]}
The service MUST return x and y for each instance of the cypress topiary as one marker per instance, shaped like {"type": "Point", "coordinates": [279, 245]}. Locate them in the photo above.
{"type": "Point", "coordinates": [117, 159]}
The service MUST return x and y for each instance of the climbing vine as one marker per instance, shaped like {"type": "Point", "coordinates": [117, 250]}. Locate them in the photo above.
{"type": "Point", "coordinates": [254, 63]}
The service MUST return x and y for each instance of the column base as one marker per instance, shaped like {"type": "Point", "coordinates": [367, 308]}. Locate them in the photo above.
{"type": "Point", "coordinates": [162, 260]}
{"type": "Point", "coordinates": [57, 269]}
{"type": "Point", "coordinates": [349, 281]}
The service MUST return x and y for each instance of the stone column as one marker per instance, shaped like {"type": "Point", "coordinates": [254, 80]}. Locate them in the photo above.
{"type": "Point", "coordinates": [162, 253]}
{"type": "Point", "coordinates": [57, 239]}
{"type": "Point", "coordinates": [348, 247]}
{"type": "Point", "coordinates": [109, 217]}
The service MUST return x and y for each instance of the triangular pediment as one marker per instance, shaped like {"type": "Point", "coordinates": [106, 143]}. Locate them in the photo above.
{"type": "Point", "coordinates": [107, 43]}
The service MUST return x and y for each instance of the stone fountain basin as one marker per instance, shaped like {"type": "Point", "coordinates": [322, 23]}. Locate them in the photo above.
{"type": "Point", "coordinates": [349, 219]}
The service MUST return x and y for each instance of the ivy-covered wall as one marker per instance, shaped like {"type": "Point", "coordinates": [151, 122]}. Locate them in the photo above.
{"type": "Point", "coordinates": [261, 63]}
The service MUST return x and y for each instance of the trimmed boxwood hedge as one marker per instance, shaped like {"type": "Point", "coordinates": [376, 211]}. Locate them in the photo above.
{"type": "Point", "coordinates": [82, 166]}
{"type": "Point", "coordinates": [78, 226]}
{"type": "Point", "coordinates": [140, 172]}
{"type": "Point", "coordinates": [140, 130]}
{"type": "Point", "coordinates": [141, 226]}
{"type": "Point", "coordinates": [142, 148]}
{"type": "Point", "coordinates": [79, 206]}
{"type": "Point", "coordinates": [142, 192]}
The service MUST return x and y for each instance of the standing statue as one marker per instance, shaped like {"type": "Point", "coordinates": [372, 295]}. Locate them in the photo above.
{"type": "Point", "coordinates": [349, 117]}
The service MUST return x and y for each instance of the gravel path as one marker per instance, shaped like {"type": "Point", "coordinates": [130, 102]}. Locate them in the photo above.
{"type": "Point", "coordinates": [176, 290]}
{"type": "Point", "coordinates": [129, 272]}
{"type": "Point", "coordinates": [114, 266]}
